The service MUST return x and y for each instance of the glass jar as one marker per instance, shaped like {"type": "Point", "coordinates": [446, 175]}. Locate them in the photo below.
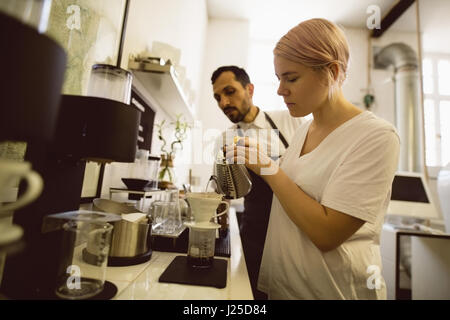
{"type": "Point", "coordinates": [166, 172]}
{"type": "Point", "coordinates": [110, 82]}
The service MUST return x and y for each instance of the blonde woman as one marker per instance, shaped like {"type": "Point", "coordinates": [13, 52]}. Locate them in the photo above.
{"type": "Point", "coordinates": [333, 185]}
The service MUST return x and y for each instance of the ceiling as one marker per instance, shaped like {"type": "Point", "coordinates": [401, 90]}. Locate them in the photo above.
{"type": "Point", "coordinates": [270, 19]}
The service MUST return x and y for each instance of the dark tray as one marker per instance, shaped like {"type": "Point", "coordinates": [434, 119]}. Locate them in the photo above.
{"type": "Point", "coordinates": [179, 271]}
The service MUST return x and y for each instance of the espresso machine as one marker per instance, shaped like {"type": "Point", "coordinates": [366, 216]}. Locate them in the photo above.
{"type": "Point", "coordinates": [61, 132]}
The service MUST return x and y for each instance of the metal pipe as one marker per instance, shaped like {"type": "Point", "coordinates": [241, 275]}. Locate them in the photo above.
{"type": "Point", "coordinates": [408, 116]}
{"type": "Point", "coordinates": [122, 34]}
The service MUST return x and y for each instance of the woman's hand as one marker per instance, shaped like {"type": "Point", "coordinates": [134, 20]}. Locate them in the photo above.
{"type": "Point", "coordinates": [247, 151]}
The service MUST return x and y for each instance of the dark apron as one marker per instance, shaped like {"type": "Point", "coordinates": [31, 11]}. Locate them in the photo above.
{"type": "Point", "coordinates": [255, 219]}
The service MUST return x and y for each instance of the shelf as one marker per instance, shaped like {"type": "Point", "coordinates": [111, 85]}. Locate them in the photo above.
{"type": "Point", "coordinates": [161, 82]}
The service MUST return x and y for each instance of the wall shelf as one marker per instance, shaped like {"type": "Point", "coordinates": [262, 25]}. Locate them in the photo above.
{"type": "Point", "coordinates": [161, 82]}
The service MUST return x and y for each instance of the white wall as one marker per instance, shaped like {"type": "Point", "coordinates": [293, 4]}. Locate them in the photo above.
{"type": "Point", "coordinates": [226, 44]}
{"type": "Point", "coordinates": [381, 80]}
{"type": "Point", "coordinates": [181, 24]}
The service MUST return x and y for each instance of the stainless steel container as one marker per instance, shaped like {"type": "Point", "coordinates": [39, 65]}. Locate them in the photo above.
{"type": "Point", "coordinates": [129, 239]}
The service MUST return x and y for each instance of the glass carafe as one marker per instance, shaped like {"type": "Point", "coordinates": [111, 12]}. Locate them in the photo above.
{"type": "Point", "coordinates": [202, 242]}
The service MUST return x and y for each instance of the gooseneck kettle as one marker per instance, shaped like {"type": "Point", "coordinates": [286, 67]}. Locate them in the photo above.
{"type": "Point", "coordinates": [232, 179]}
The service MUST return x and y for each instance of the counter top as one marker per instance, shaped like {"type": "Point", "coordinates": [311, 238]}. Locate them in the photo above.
{"type": "Point", "coordinates": [140, 282]}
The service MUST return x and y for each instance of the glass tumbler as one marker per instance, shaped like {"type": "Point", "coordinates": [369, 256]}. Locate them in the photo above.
{"type": "Point", "coordinates": [78, 279]}
{"type": "Point", "coordinates": [173, 218]}
{"type": "Point", "coordinates": [153, 171]}
{"type": "Point", "coordinates": [173, 213]}
{"type": "Point", "coordinates": [158, 213]}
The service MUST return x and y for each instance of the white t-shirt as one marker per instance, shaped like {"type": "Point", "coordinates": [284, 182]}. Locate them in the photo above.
{"type": "Point", "coordinates": [351, 171]}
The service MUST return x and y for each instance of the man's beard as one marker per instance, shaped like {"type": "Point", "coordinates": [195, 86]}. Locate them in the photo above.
{"type": "Point", "coordinates": [239, 117]}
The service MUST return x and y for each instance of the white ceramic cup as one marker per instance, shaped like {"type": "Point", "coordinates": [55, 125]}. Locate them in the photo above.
{"type": "Point", "coordinates": [10, 171]}
{"type": "Point", "coordinates": [204, 205]}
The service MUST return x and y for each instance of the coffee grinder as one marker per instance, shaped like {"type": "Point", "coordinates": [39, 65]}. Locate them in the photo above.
{"type": "Point", "coordinates": [62, 132]}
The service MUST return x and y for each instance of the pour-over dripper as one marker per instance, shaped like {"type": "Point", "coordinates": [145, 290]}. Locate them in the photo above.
{"type": "Point", "coordinates": [204, 205]}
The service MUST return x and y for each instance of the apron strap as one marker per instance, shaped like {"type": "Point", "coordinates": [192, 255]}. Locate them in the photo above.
{"type": "Point", "coordinates": [274, 126]}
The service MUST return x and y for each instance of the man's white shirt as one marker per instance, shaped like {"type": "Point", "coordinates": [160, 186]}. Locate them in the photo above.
{"type": "Point", "coordinates": [261, 130]}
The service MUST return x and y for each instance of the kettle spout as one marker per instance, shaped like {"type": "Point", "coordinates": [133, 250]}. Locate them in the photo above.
{"type": "Point", "coordinates": [218, 187]}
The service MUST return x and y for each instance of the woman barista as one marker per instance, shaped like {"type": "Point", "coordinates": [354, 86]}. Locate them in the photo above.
{"type": "Point", "coordinates": [333, 186]}
{"type": "Point", "coordinates": [233, 92]}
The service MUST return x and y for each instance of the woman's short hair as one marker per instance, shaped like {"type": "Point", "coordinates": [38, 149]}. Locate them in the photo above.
{"type": "Point", "coordinates": [317, 43]}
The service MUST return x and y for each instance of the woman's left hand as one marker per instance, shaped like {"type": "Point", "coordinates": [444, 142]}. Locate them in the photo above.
{"type": "Point", "coordinates": [247, 151]}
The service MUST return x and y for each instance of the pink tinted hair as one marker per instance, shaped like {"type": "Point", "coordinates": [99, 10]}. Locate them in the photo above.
{"type": "Point", "coordinates": [318, 44]}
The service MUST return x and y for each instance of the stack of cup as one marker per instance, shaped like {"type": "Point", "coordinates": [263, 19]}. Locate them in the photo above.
{"type": "Point", "coordinates": [11, 172]}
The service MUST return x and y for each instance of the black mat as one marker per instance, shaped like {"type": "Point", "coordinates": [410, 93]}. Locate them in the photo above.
{"type": "Point", "coordinates": [109, 291]}
{"type": "Point", "coordinates": [179, 271]}
{"type": "Point", "coordinates": [180, 245]}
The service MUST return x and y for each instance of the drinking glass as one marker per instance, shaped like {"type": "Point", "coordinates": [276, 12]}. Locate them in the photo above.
{"type": "Point", "coordinates": [173, 218]}
{"type": "Point", "coordinates": [158, 213]}
{"type": "Point", "coordinates": [78, 279]}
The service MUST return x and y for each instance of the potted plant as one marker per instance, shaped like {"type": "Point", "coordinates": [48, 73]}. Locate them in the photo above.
{"type": "Point", "coordinates": [166, 174]}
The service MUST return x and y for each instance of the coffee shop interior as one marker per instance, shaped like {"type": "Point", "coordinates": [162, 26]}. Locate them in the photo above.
{"type": "Point", "coordinates": [110, 185]}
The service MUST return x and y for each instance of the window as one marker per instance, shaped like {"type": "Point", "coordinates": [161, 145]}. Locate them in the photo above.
{"type": "Point", "coordinates": [436, 87]}
{"type": "Point", "coordinates": [262, 75]}
{"type": "Point", "coordinates": [430, 133]}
